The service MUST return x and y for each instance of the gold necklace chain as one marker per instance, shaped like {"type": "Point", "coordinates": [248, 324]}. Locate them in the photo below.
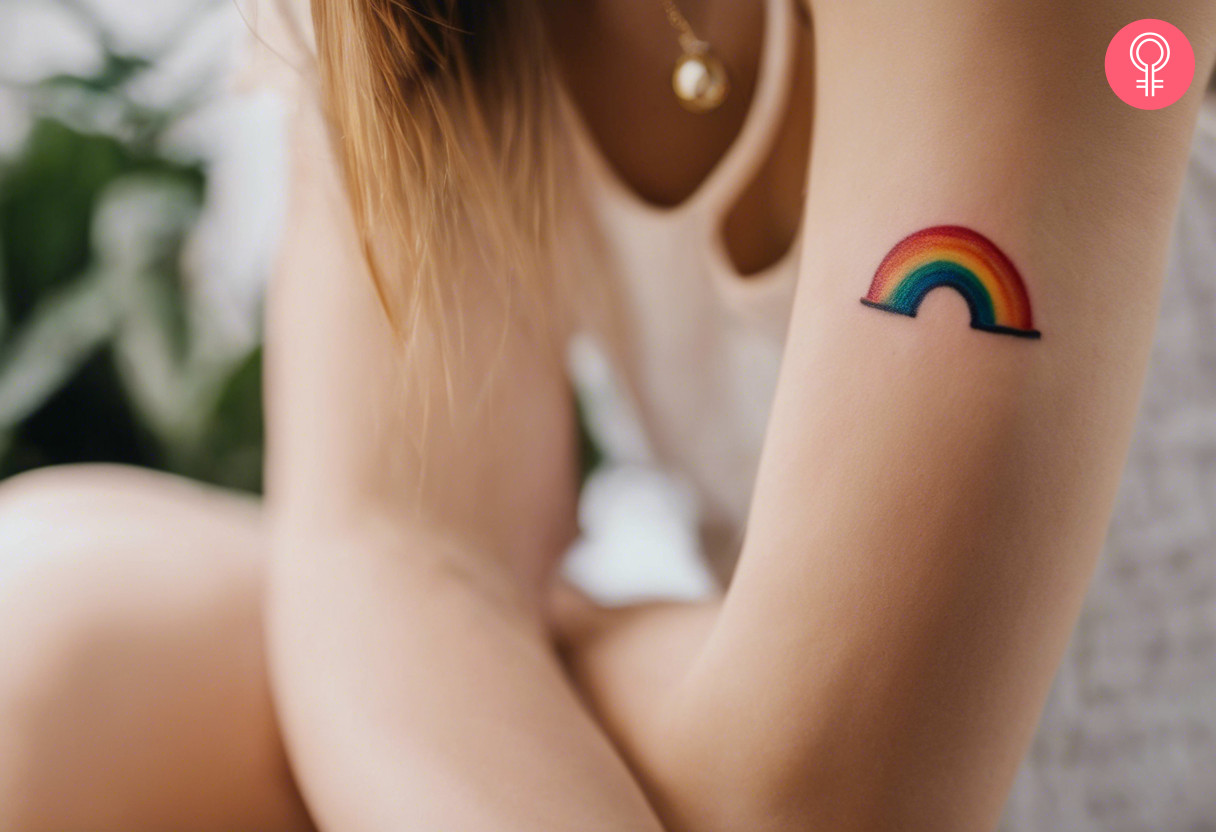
{"type": "Point", "coordinates": [688, 38]}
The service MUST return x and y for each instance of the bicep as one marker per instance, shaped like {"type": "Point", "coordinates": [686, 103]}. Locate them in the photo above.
{"type": "Point", "coordinates": [933, 494]}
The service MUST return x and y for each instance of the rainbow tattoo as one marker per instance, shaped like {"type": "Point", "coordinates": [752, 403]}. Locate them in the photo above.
{"type": "Point", "coordinates": [964, 260]}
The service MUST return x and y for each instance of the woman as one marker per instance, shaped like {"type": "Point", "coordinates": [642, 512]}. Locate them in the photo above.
{"type": "Point", "coordinates": [479, 182]}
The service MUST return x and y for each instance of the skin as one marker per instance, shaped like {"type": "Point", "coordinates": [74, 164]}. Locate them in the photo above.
{"type": "Point", "coordinates": [881, 658]}
{"type": "Point", "coordinates": [387, 715]}
{"type": "Point", "coordinates": [981, 469]}
{"type": "Point", "coordinates": [133, 691]}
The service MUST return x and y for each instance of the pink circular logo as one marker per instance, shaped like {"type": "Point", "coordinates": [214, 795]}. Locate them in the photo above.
{"type": "Point", "coordinates": [1150, 64]}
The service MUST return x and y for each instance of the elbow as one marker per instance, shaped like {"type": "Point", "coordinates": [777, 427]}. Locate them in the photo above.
{"type": "Point", "coordinates": [719, 774]}
{"type": "Point", "coordinates": [724, 772]}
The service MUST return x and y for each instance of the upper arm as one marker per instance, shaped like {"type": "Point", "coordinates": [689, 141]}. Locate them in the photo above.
{"type": "Point", "coordinates": [467, 429]}
{"type": "Point", "coordinates": [932, 497]}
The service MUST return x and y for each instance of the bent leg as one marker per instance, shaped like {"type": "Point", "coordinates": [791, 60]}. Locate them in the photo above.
{"type": "Point", "coordinates": [133, 692]}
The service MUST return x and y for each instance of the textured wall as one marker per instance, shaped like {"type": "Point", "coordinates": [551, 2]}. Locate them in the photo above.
{"type": "Point", "coordinates": [1128, 739]}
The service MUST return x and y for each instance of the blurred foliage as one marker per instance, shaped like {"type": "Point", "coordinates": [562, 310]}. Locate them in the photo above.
{"type": "Point", "coordinates": [101, 356]}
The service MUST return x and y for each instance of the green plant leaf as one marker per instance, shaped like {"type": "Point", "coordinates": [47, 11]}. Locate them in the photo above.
{"type": "Point", "coordinates": [59, 337]}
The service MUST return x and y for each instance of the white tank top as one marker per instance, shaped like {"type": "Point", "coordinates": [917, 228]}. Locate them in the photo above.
{"type": "Point", "coordinates": [698, 344]}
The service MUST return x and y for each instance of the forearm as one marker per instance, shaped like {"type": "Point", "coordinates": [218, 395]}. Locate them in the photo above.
{"type": "Point", "coordinates": [417, 690]}
{"type": "Point", "coordinates": [932, 496]}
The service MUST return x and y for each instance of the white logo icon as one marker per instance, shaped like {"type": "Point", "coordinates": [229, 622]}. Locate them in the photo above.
{"type": "Point", "coordinates": [1150, 83]}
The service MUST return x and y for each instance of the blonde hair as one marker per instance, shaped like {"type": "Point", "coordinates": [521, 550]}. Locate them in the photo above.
{"type": "Point", "coordinates": [443, 115]}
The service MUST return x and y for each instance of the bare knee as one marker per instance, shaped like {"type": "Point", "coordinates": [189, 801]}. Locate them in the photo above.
{"type": "Point", "coordinates": [130, 656]}
{"type": "Point", "coordinates": [41, 489]}
{"type": "Point", "coordinates": [43, 642]}
{"type": "Point", "coordinates": [54, 619]}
